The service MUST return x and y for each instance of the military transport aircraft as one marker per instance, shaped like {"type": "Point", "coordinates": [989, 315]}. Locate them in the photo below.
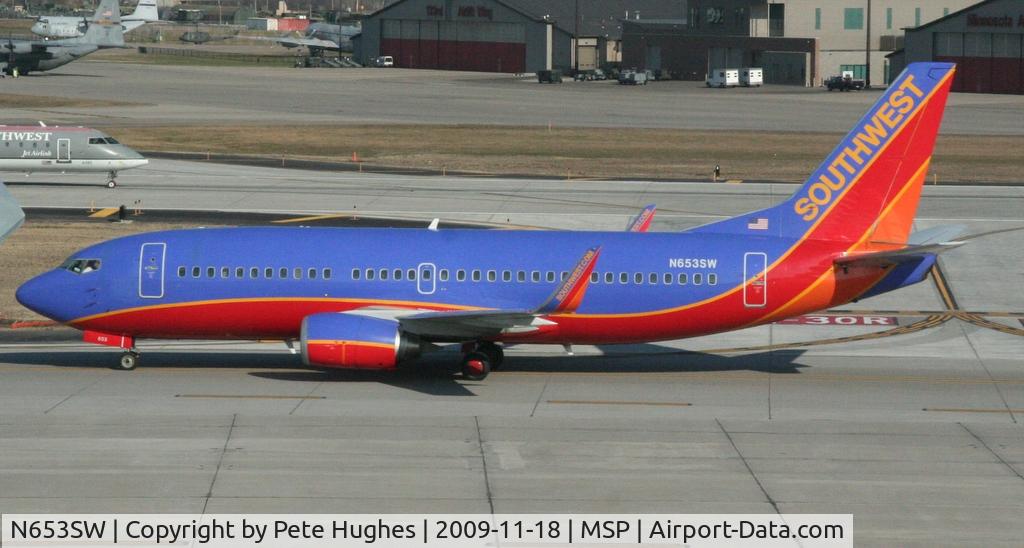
{"type": "Point", "coordinates": [49, 26]}
{"type": "Point", "coordinates": [23, 56]}
{"type": "Point", "coordinates": [59, 149]}
{"type": "Point", "coordinates": [377, 298]}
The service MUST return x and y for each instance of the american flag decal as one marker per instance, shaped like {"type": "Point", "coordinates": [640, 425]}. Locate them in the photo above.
{"type": "Point", "coordinates": [760, 223]}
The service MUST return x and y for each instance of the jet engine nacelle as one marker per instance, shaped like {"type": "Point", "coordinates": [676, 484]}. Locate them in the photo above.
{"type": "Point", "coordinates": [355, 342]}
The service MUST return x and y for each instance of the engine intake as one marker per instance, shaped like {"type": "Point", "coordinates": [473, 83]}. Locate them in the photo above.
{"type": "Point", "coordinates": [355, 342]}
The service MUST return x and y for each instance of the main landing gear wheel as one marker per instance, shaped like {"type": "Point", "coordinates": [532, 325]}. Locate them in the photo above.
{"type": "Point", "coordinates": [493, 352]}
{"type": "Point", "coordinates": [129, 361]}
{"type": "Point", "coordinates": [476, 366]}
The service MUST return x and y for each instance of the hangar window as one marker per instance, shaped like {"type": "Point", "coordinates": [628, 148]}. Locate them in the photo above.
{"type": "Point", "coordinates": [476, 275]}
{"type": "Point", "coordinates": [623, 277]}
{"type": "Point", "coordinates": [638, 278]}
{"type": "Point", "coordinates": [225, 272]}
{"type": "Point", "coordinates": [506, 275]}
{"type": "Point", "coordinates": [609, 277]}
{"type": "Point", "coordinates": [712, 279]}
{"type": "Point", "coordinates": [492, 276]}
{"type": "Point", "coordinates": [383, 274]}
{"type": "Point", "coordinates": [551, 276]}
{"type": "Point", "coordinates": [268, 272]}
{"type": "Point", "coordinates": [240, 272]}
{"type": "Point", "coordinates": [211, 272]}
{"type": "Point", "coordinates": [681, 280]}
{"type": "Point", "coordinates": [460, 275]}
{"type": "Point", "coordinates": [369, 273]}
{"type": "Point", "coordinates": [652, 278]}
{"type": "Point", "coordinates": [535, 276]}
{"type": "Point", "coordinates": [698, 279]}
{"type": "Point", "coordinates": [397, 275]}
{"type": "Point", "coordinates": [282, 273]}
{"type": "Point", "coordinates": [443, 275]}
{"type": "Point", "coordinates": [196, 271]}
{"type": "Point", "coordinates": [181, 272]}
{"type": "Point", "coordinates": [667, 279]}
{"type": "Point", "coordinates": [520, 275]}
{"type": "Point", "coordinates": [853, 18]}
{"type": "Point", "coordinates": [311, 273]}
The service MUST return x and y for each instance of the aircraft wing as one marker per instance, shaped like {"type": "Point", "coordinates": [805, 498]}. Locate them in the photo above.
{"type": "Point", "coordinates": [290, 42]}
{"type": "Point", "coordinates": [11, 215]}
{"type": "Point", "coordinates": [474, 324]}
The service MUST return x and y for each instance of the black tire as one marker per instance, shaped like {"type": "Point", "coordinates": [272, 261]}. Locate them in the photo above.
{"type": "Point", "coordinates": [494, 353]}
{"type": "Point", "coordinates": [476, 366]}
{"type": "Point", "coordinates": [128, 361]}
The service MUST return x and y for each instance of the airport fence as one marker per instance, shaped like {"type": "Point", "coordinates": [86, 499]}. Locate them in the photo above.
{"type": "Point", "coordinates": [275, 60]}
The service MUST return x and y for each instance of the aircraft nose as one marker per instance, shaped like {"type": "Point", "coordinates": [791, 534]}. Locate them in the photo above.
{"type": "Point", "coordinates": [42, 295]}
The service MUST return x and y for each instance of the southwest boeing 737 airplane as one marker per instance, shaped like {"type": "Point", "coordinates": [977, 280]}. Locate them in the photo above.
{"type": "Point", "coordinates": [377, 298]}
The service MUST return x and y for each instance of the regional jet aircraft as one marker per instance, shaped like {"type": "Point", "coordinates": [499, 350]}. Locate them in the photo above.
{"type": "Point", "coordinates": [377, 298]}
{"type": "Point", "coordinates": [65, 150]}
{"type": "Point", "coordinates": [24, 56]}
{"type": "Point", "coordinates": [49, 26]}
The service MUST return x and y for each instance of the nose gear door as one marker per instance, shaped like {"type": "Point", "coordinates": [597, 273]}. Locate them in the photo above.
{"type": "Point", "coordinates": [151, 270]}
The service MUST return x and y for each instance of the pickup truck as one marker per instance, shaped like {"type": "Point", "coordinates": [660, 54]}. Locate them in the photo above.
{"type": "Point", "coordinates": [843, 83]}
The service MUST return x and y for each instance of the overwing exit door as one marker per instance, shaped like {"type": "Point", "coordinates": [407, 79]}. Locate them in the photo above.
{"type": "Point", "coordinates": [755, 274]}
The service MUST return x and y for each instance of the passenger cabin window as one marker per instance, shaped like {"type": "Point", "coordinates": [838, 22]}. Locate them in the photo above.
{"type": "Point", "coordinates": [520, 275]}
{"type": "Point", "coordinates": [297, 272]}
{"type": "Point", "coordinates": [476, 275]}
{"type": "Point", "coordinates": [682, 279]}
{"type": "Point", "coordinates": [624, 277]}
{"type": "Point", "coordinates": [426, 275]}
{"type": "Point", "coordinates": [196, 271]}
{"type": "Point", "coordinates": [311, 273]}
{"type": "Point", "coordinates": [268, 273]}
{"type": "Point", "coordinates": [652, 279]}
{"type": "Point", "coordinates": [506, 275]}
{"type": "Point", "coordinates": [550, 276]}
{"type": "Point", "coordinates": [240, 272]}
{"type": "Point", "coordinates": [355, 273]}
{"type": "Point", "coordinates": [328, 273]}
{"type": "Point", "coordinates": [460, 275]}
{"type": "Point", "coordinates": [211, 272]}
{"type": "Point", "coordinates": [282, 273]}
{"type": "Point", "coordinates": [81, 266]}
{"type": "Point", "coordinates": [609, 277]}
{"type": "Point", "coordinates": [697, 279]}
{"type": "Point", "coordinates": [254, 272]}
{"type": "Point", "coordinates": [396, 274]}
{"type": "Point", "coordinates": [638, 278]}
{"type": "Point", "coordinates": [492, 275]}
{"type": "Point", "coordinates": [225, 272]}
{"type": "Point", "coordinates": [383, 274]}
{"type": "Point", "coordinates": [712, 279]}
{"type": "Point", "coordinates": [181, 271]}
{"type": "Point", "coordinates": [668, 279]}
{"type": "Point", "coordinates": [535, 276]}
{"type": "Point", "coordinates": [594, 277]}
{"type": "Point", "coordinates": [443, 275]}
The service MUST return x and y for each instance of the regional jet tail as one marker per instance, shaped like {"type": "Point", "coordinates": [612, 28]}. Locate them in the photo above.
{"type": "Point", "coordinates": [11, 215]}
{"type": "Point", "coordinates": [377, 298]}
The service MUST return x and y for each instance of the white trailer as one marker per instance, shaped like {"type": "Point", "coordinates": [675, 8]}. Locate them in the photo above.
{"type": "Point", "coordinates": [751, 77]}
{"type": "Point", "coordinates": [723, 78]}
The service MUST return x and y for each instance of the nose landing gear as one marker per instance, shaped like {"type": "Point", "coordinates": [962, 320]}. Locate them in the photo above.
{"type": "Point", "coordinates": [111, 179]}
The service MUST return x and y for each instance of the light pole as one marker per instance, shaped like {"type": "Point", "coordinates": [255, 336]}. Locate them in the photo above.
{"type": "Point", "coordinates": [867, 50]}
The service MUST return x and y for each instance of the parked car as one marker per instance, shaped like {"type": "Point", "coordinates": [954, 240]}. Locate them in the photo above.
{"type": "Point", "coordinates": [632, 77]}
{"type": "Point", "coordinates": [384, 61]}
{"type": "Point", "coordinates": [844, 83]}
{"type": "Point", "coordinates": [549, 76]}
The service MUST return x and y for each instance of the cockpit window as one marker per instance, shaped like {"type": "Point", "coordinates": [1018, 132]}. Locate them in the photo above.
{"type": "Point", "coordinates": [97, 141]}
{"type": "Point", "coordinates": [81, 266]}
{"type": "Point", "coordinates": [112, 141]}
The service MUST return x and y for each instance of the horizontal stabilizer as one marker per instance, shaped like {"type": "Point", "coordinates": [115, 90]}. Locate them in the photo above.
{"type": "Point", "coordinates": [937, 234]}
{"type": "Point", "coordinates": [11, 215]}
{"type": "Point", "coordinates": [895, 256]}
